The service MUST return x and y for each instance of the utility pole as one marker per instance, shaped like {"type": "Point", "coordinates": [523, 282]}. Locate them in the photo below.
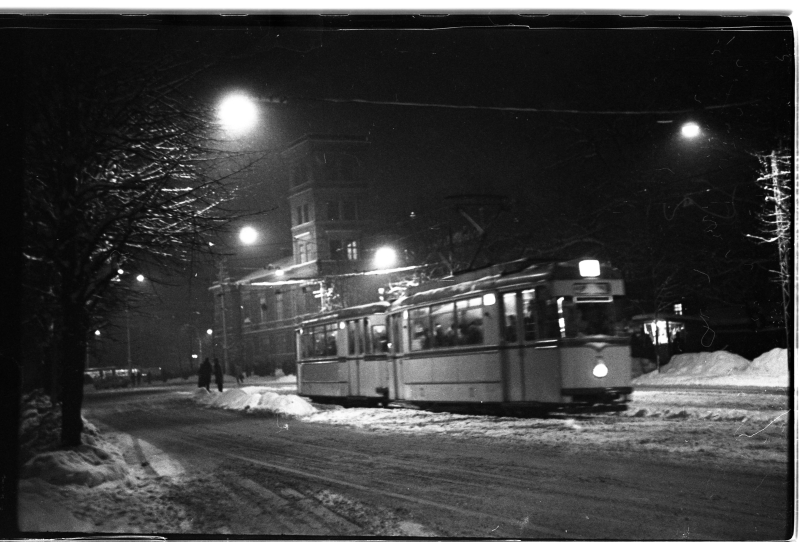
{"type": "Point", "coordinates": [222, 281]}
{"type": "Point", "coordinates": [128, 330]}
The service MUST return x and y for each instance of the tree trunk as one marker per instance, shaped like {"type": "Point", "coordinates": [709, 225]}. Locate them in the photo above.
{"type": "Point", "coordinates": [73, 355]}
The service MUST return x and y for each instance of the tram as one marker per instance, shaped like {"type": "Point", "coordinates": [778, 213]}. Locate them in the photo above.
{"type": "Point", "coordinates": [546, 335]}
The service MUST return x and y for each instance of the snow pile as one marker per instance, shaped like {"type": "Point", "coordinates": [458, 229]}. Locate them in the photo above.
{"type": "Point", "coordinates": [772, 363]}
{"type": "Point", "coordinates": [705, 364]}
{"type": "Point", "coordinates": [90, 487]}
{"type": "Point", "coordinates": [90, 464]}
{"type": "Point", "coordinates": [255, 399]}
{"type": "Point", "coordinates": [722, 368]}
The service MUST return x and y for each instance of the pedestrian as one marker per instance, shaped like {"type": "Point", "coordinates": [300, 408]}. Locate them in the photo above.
{"type": "Point", "coordinates": [239, 375]}
{"type": "Point", "coordinates": [204, 375]}
{"type": "Point", "coordinates": [218, 373]}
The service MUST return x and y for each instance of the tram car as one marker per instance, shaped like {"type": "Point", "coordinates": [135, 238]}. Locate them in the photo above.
{"type": "Point", "coordinates": [547, 335]}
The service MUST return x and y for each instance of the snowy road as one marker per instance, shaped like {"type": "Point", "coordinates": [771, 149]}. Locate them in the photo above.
{"type": "Point", "coordinates": [676, 466]}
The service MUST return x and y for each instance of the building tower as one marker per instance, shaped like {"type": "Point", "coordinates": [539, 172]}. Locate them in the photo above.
{"type": "Point", "coordinates": [327, 198]}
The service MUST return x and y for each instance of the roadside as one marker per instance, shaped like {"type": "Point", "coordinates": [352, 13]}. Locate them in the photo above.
{"type": "Point", "coordinates": [116, 483]}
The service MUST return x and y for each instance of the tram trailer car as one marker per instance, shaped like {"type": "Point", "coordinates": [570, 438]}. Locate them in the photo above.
{"type": "Point", "coordinates": [549, 335]}
{"type": "Point", "coordinates": [342, 355]}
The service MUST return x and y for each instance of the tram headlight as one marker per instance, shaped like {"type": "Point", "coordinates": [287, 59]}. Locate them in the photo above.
{"type": "Point", "coordinates": [600, 369]}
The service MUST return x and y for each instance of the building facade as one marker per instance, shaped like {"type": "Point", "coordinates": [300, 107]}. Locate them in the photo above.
{"type": "Point", "coordinates": [331, 266]}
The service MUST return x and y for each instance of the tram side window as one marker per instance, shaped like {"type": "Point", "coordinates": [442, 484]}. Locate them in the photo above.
{"type": "Point", "coordinates": [420, 329]}
{"type": "Point", "coordinates": [351, 337]}
{"type": "Point", "coordinates": [510, 316]}
{"type": "Point", "coordinates": [470, 321]}
{"type": "Point", "coordinates": [330, 340]}
{"type": "Point", "coordinates": [444, 325]}
{"type": "Point", "coordinates": [541, 315]}
{"type": "Point", "coordinates": [380, 339]}
{"type": "Point", "coordinates": [531, 312]}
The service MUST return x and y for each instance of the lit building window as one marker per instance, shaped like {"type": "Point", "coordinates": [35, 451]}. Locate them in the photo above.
{"type": "Point", "coordinates": [352, 250]}
{"type": "Point", "coordinates": [678, 309]}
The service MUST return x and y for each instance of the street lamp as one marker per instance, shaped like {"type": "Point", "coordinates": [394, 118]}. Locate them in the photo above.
{"type": "Point", "coordinates": [385, 257]}
{"type": "Point", "coordinates": [237, 113]}
{"type": "Point", "coordinates": [248, 235]}
{"type": "Point", "coordinates": [690, 130]}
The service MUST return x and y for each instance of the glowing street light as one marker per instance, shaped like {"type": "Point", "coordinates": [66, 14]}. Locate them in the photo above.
{"type": "Point", "coordinates": [248, 235]}
{"type": "Point", "coordinates": [690, 130]}
{"type": "Point", "coordinates": [237, 113]}
{"type": "Point", "coordinates": [385, 257]}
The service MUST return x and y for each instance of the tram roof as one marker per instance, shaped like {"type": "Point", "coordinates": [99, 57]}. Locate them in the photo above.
{"type": "Point", "coordinates": [537, 272]}
{"type": "Point", "coordinates": [349, 312]}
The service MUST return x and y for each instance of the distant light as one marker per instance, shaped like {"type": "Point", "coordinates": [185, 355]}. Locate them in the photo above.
{"type": "Point", "coordinates": [120, 271]}
{"type": "Point", "coordinates": [97, 332]}
{"type": "Point", "coordinates": [140, 278]}
{"type": "Point", "coordinates": [194, 356]}
{"type": "Point", "coordinates": [589, 268]}
{"type": "Point", "coordinates": [209, 331]}
{"type": "Point", "coordinates": [237, 113]}
{"type": "Point", "coordinates": [385, 257]}
{"type": "Point", "coordinates": [279, 272]}
{"type": "Point", "coordinates": [678, 309]}
{"type": "Point", "coordinates": [248, 235]}
{"type": "Point", "coordinates": [690, 130]}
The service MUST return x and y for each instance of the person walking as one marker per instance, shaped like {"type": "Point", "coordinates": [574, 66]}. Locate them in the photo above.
{"type": "Point", "coordinates": [204, 375]}
{"type": "Point", "coordinates": [218, 373]}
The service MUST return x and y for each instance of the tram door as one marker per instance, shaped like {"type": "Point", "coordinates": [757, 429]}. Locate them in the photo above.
{"type": "Point", "coordinates": [512, 355]}
{"type": "Point", "coordinates": [394, 359]}
{"type": "Point", "coordinates": [371, 367]}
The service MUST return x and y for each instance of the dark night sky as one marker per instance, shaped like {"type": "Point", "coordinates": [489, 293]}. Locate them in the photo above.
{"type": "Point", "coordinates": [610, 94]}
{"type": "Point", "coordinates": [419, 154]}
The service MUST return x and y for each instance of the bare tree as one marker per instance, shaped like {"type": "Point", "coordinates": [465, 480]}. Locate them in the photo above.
{"type": "Point", "coordinates": [777, 219]}
{"type": "Point", "coordinates": [122, 166]}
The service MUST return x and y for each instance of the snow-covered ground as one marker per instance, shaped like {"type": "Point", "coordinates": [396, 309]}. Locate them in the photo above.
{"type": "Point", "coordinates": [96, 484]}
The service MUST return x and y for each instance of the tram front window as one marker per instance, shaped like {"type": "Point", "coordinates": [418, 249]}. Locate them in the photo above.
{"type": "Point", "coordinates": [590, 318]}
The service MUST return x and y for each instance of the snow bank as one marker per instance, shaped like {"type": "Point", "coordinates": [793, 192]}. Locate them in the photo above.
{"type": "Point", "coordinates": [85, 465]}
{"type": "Point", "coordinates": [255, 399]}
{"type": "Point", "coordinates": [92, 463]}
{"type": "Point", "coordinates": [722, 368]}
